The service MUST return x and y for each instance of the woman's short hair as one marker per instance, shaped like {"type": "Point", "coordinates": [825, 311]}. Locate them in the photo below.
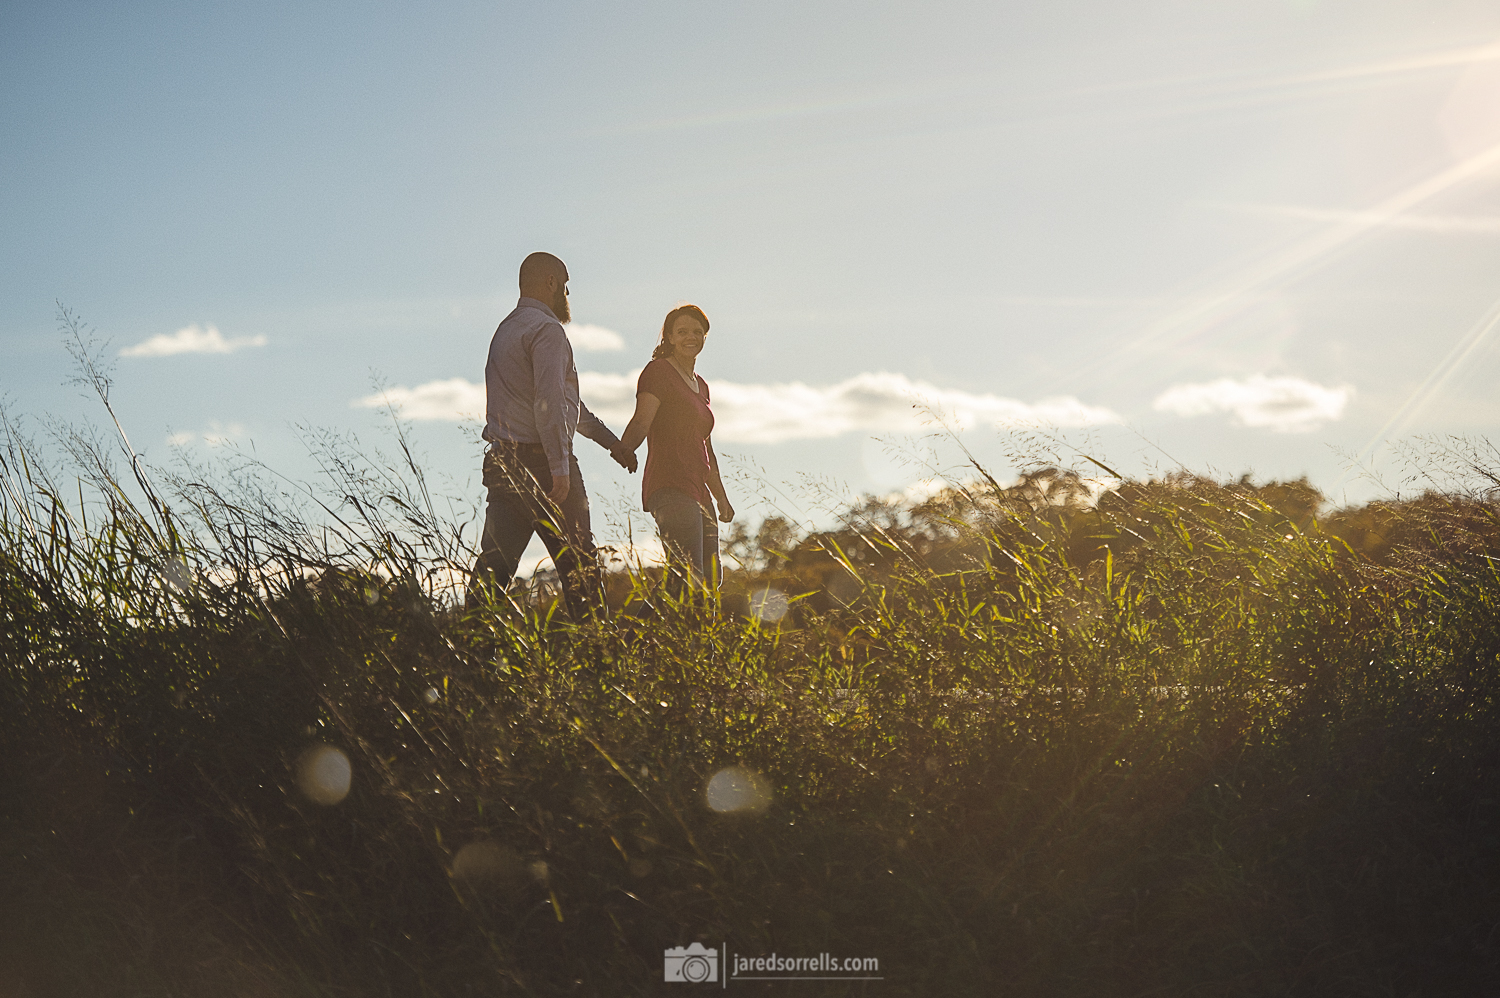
{"type": "Point", "coordinates": [664, 346]}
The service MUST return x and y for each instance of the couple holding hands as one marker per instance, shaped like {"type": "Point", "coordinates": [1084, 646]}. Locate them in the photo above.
{"type": "Point", "coordinates": [533, 409]}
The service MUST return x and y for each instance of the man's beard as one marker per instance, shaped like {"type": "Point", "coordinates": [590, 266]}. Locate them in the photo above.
{"type": "Point", "coordinates": [560, 306]}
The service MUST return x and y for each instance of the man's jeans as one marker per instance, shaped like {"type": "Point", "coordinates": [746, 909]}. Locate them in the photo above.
{"type": "Point", "coordinates": [689, 532]}
{"type": "Point", "coordinates": [518, 479]}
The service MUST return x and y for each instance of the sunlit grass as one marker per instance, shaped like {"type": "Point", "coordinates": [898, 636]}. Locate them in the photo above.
{"type": "Point", "coordinates": [1196, 737]}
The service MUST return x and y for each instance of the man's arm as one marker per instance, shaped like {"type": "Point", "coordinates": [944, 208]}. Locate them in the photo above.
{"type": "Point", "coordinates": [551, 359]}
{"type": "Point", "coordinates": [593, 427]}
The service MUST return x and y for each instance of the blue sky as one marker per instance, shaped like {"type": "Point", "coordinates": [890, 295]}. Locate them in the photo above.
{"type": "Point", "coordinates": [1243, 236]}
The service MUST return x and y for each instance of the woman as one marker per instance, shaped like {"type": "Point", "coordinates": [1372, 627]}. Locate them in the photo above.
{"type": "Point", "coordinates": [672, 414]}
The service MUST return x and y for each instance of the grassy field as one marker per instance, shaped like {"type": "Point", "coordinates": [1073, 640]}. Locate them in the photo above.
{"type": "Point", "coordinates": [1193, 738]}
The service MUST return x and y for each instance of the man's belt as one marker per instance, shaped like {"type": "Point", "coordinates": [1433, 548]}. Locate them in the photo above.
{"type": "Point", "coordinates": [509, 454]}
{"type": "Point", "coordinates": [517, 447]}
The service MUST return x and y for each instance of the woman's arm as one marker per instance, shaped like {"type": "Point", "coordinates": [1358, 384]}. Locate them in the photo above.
{"type": "Point", "coordinates": [716, 484]}
{"type": "Point", "coordinates": [646, 405]}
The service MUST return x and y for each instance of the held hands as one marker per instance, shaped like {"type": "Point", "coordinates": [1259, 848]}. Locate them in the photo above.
{"type": "Point", "coordinates": [624, 457]}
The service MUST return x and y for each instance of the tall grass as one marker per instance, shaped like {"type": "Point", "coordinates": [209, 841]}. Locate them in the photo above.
{"type": "Point", "coordinates": [1190, 738]}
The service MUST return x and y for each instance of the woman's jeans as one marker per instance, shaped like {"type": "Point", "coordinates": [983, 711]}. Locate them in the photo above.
{"type": "Point", "coordinates": [689, 532]}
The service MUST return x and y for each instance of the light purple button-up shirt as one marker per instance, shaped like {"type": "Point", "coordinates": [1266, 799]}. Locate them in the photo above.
{"type": "Point", "coordinates": [531, 387]}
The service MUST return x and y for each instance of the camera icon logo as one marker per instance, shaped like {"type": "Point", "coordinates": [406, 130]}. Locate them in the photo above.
{"type": "Point", "coordinates": [694, 964]}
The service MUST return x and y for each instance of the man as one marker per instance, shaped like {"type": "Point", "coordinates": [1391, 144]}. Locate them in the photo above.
{"type": "Point", "coordinates": [532, 408]}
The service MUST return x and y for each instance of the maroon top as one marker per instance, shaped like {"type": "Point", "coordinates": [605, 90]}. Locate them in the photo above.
{"type": "Point", "coordinates": [676, 444]}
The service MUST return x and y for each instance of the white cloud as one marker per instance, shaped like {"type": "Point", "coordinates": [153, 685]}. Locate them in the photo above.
{"type": "Point", "coordinates": [454, 399]}
{"type": "Point", "coordinates": [880, 402]}
{"type": "Point", "coordinates": [770, 413]}
{"type": "Point", "coordinates": [1287, 405]}
{"type": "Point", "coordinates": [191, 339]}
{"type": "Point", "coordinates": [919, 491]}
{"type": "Point", "coordinates": [217, 435]}
{"type": "Point", "coordinates": [646, 550]}
{"type": "Point", "coordinates": [594, 338]}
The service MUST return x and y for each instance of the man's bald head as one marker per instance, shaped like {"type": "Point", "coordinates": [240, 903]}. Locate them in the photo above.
{"type": "Point", "coordinates": [537, 267]}
{"type": "Point", "coordinates": [545, 278]}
